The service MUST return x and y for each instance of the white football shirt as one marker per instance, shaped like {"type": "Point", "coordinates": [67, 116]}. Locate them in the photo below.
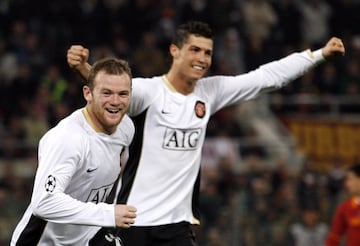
{"type": "Point", "coordinates": [77, 169]}
{"type": "Point", "coordinates": [161, 177]}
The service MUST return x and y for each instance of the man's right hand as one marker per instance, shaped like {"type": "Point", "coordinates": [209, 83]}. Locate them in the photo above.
{"type": "Point", "coordinates": [77, 57]}
{"type": "Point", "coordinates": [124, 215]}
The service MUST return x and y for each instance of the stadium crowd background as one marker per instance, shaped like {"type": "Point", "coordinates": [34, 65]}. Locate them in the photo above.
{"type": "Point", "coordinates": [251, 205]}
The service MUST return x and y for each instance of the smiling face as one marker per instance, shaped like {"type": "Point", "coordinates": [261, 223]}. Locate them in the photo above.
{"type": "Point", "coordinates": [108, 100]}
{"type": "Point", "coordinates": [194, 58]}
{"type": "Point", "coordinates": [191, 62]}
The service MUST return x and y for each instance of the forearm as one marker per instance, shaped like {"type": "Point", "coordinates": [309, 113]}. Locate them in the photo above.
{"type": "Point", "coordinates": [63, 209]}
{"type": "Point", "coordinates": [84, 70]}
{"type": "Point", "coordinates": [279, 73]}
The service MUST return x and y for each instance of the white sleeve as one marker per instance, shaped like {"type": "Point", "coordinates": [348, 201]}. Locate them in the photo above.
{"type": "Point", "coordinates": [143, 94]}
{"type": "Point", "coordinates": [227, 90]}
{"type": "Point", "coordinates": [61, 161]}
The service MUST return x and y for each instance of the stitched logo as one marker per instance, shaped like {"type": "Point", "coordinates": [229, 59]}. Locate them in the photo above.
{"type": "Point", "coordinates": [200, 109]}
{"type": "Point", "coordinates": [111, 238]}
{"type": "Point", "coordinates": [165, 112]}
{"type": "Point", "coordinates": [91, 170]}
{"type": "Point", "coordinates": [50, 183]}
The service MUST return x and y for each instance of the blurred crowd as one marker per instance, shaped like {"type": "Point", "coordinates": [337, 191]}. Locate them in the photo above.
{"type": "Point", "coordinates": [256, 206]}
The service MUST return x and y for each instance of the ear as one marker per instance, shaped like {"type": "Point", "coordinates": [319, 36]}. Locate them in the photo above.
{"type": "Point", "coordinates": [87, 93]}
{"type": "Point", "coordinates": [174, 51]}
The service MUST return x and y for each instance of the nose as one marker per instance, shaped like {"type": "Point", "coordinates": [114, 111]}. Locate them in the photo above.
{"type": "Point", "coordinates": [202, 57]}
{"type": "Point", "coordinates": [115, 99]}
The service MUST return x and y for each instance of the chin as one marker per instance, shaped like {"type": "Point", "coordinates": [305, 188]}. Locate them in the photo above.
{"type": "Point", "coordinates": [195, 78]}
{"type": "Point", "coordinates": [113, 122]}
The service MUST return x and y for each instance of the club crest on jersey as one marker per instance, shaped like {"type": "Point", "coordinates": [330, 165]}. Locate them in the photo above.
{"type": "Point", "coordinates": [50, 184]}
{"type": "Point", "coordinates": [200, 109]}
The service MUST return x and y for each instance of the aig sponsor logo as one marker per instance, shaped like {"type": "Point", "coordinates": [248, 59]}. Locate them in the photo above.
{"type": "Point", "coordinates": [100, 194]}
{"type": "Point", "coordinates": [181, 139]}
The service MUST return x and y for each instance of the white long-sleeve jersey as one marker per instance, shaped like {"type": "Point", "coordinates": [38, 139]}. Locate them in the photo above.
{"type": "Point", "coordinates": [77, 167]}
{"type": "Point", "coordinates": [162, 173]}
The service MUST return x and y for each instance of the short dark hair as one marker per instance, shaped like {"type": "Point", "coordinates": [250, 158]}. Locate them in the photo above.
{"type": "Point", "coordinates": [355, 168]}
{"type": "Point", "coordinates": [109, 65]}
{"type": "Point", "coordinates": [197, 28]}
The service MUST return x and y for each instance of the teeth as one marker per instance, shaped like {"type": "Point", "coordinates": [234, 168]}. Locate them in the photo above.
{"type": "Point", "coordinates": [198, 68]}
{"type": "Point", "coordinates": [113, 110]}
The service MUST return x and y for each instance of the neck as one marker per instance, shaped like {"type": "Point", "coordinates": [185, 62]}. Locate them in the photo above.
{"type": "Point", "coordinates": [181, 84]}
{"type": "Point", "coordinates": [88, 116]}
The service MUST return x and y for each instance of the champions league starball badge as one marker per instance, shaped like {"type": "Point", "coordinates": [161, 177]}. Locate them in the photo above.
{"type": "Point", "coordinates": [200, 109]}
{"type": "Point", "coordinates": [50, 183]}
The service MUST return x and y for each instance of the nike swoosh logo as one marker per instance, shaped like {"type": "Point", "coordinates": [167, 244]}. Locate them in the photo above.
{"type": "Point", "coordinates": [91, 170]}
{"type": "Point", "coordinates": [165, 112]}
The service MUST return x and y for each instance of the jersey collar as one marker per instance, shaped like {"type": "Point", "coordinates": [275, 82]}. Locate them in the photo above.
{"type": "Point", "coordinates": [89, 120]}
{"type": "Point", "coordinates": [167, 82]}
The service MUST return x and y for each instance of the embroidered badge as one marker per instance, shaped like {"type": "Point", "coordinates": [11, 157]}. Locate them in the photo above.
{"type": "Point", "coordinates": [50, 183]}
{"type": "Point", "coordinates": [200, 109]}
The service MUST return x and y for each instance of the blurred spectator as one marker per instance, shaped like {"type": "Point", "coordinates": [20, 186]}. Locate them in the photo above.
{"type": "Point", "coordinates": [259, 19]}
{"type": "Point", "coordinates": [310, 231]}
{"type": "Point", "coordinates": [308, 185]}
{"type": "Point", "coordinates": [210, 203]}
{"type": "Point", "coordinates": [7, 216]}
{"type": "Point", "coordinates": [287, 29]}
{"type": "Point", "coordinates": [229, 53]}
{"type": "Point", "coordinates": [217, 148]}
{"type": "Point", "coordinates": [215, 238]}
{"type": "Point", "coordinates": [226, 123]}
{"type": "Point", "coordinates": [17, 129]}
{"type": "Point", "coordinates": [101, 51]}
{"type": "Point", "coordinates": [145, 23]}
{"type": "Point", "coordinates": [315, 18]}
{"type": "Point", "coordinates": [18, 34]}
{"type": "Point", "coordinates": [255, 53]}
{"type": "Point", "coordinates": [122, 48]}
{"type": "Point", "coordinates": [11, 149]}
{"type": "Point", "coordinates": [252, 146]}
{"type": "Point", "coordinates": [223, 14]}
{"type": "Point", "coordinates": [31, 53]}
{"type": "Point", "coordinates": [25, 85]}
{"type": "Point", "coordinates": [57, 112]}
{"type": "Point", "coordinates": [329, 80]}
{"type": "Point", "coordinates": [351, 78]}
{"type": "Point", "coordinates": [336, 177]}
{"type": "Point", "coordinates": [165, 27]}
{"type": "Point", "coordinates": [36, 123]}
{"type": "Point", "coordinates": [145, 52]}
{"type": "Point", "coordinates": [55, 82]}
{"type": "Point", "coordinates": [195, 10]}
{"type": "Point", "coordinates": [345, 223]}
{"type": "Point", "coordinates": [280, 173]}
{"type": "Point", "coordinates": [257, 211]}
{"type": "Point", "coordinates": [8, 64]}
{"type": "Point", "coordinates": [227, 179]}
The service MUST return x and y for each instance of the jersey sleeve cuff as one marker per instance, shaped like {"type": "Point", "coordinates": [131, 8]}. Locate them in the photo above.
{"type": "Point", "coordinates": [108, 214]}
{"type": "Point", "coordinates": [316, 55]}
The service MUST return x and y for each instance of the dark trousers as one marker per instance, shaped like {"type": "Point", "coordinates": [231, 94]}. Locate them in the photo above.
{"type": "Point", "coordinates": [177, 234]}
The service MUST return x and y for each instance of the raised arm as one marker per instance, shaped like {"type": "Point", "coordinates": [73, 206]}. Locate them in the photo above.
{"type": "Point", "coordinates": [77, 57]}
